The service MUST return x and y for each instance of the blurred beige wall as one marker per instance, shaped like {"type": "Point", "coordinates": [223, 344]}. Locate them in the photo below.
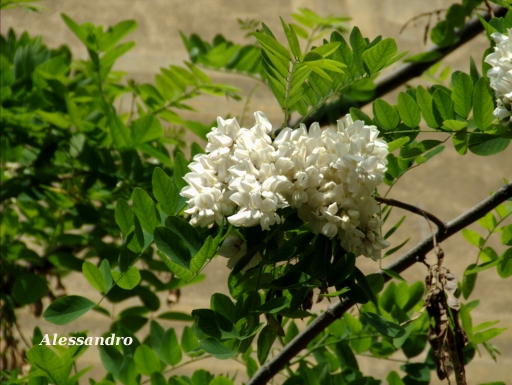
{"type": "Point", "coordinates": [447, 185]}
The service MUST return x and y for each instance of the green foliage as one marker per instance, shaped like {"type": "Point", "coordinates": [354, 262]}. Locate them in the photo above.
{"type": "Point", "coordinates": [75, 155]}
{"type": "Point", "coordinates": [72, 154]}
{"type": "Point", "coordinates": [488, 257]}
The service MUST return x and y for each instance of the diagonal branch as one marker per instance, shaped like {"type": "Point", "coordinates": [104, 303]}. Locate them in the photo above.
{"type": "Point", "coordinates": [417, 254]}
{"type": "Point", "coordinates": [413, 209]}
{"type": "Point", "coordinates": [408, 71]}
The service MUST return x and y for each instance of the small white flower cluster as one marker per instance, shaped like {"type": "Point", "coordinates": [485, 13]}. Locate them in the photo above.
{"type": "Point", "coordinates": [501, 75]}
{"type": "Point", "coordinates": [328, 175]}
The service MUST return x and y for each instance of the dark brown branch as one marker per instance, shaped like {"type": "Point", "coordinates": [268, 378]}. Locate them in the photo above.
{"type": "Point", "coordinates": [408, 71]}
{"type": "Point", "coordinates": [332, 313]}
{"type": "Point", "coordinates": [413, 209]}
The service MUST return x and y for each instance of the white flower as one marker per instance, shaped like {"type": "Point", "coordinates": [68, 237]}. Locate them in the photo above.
{"type": "Point", "coordinates": [500, 75]}
{"type": "Point", "coordinates": [327, 175]}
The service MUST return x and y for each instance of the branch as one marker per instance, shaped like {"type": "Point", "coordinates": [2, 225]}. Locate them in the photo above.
{"type": "Point", "coordinates": [409, 71]}
{"type": "Point", "coordinates": [332, 313]}
{"type": "Point", "coordinates": [392, 202]}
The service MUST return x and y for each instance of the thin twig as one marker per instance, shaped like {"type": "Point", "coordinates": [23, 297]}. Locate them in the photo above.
{"type": "Point", "coordinates": [21, 335]}
{"type": "Point", "coordinates": [413, 209]}
{"type": "Point", "coordinates": [435, 12]}
{"type": "Point", "coordinates": [333, 312]}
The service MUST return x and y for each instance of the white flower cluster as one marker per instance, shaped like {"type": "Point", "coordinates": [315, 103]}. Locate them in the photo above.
{"type": "Point", "coordinates": [501, 75]}
{"type": "Point", "coordinates": [328, 175]}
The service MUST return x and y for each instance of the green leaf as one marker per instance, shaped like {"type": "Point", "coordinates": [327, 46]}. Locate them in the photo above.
{"type": "Point", "coordinates": [442, 34]}
{"type": "Point", "coordinates": [124, 216]}
{"type": "Point", "coordinates": [178, 270]}
{"type": "Point", "coordinates": [79, 31]}
{"type": "Point", "coordinates": [468, 281]}
{"type": "Point", "coordinates": [408, 110]}
{"type": "Point", "coordinates": [473, 237]}
{"type": "Point", "coordinates": [476, 269]}
{"type": "Point", "coordinates": [385, 115]}
{"type": "Point", "coordinates": [487, 254]}
{"type": "Point", "coordinates": [486, 335]}
{"type": "Point", "coordinates": [420, 148]}
{"type": "Point", "coordinates": [28, 288]}
{"type": "Point", "coordinates": [293, 41]}
{"type": "Point", "coordinates": [108, 60]}
{"type": "Point", "coordinates": [483, 104]}
{"type": "Point", "coordinates": [114, 34]}
{"type": "Point", "coordinates": [107, 275]}
{"type": "Point", "coordinates": [376, 57]}
{"type": "Point", "coordinates": [186, 232]}
{"type": "Point", "coordinates": [221, 380]}
{"type": "Point", "coordinates": [216, 349]}
{"type": "Point", "coordinates": [94, 276]}
{"type": "Point", "coordinates": [111, 359]}
{"type": "Point", "coordinates": [146, 360]}
{"type": "Point", "coordinates": [173, 246]}
{"type": "Point", "coordinates": [265, 341]}
{"type": "Point", "coordinates": [505, 266]}
{"type": "Point", "coordinates": [485, 145]}
{"type": "Point", "coordinates": [56, 119]}
{"type": "Point", "coordinates": [313, 59]}
{"type": "Point", "coordinates": [66, 309]}
{"type": "Point", "coordinates": [354, 325]}
{"type": "Point", "coordinates": [460, 141]}
{"type": "Point", "coordinates": [170, 348]}
{"type": "Point", "coordinates": [176, 316]}
{"type": "Point", "coordinates": [417, 371]}
{"type": "Point", "coordinates": [345, 55]}
{"type": "Point", "coordinates": [214, 324]}
{"type": "Point", "coordinates": [396, 144]}
{"type": "Point", "coordinates": [357, 114]}
{"type": "Point", "coordinates": [205, 253]}
{"type": "Point", "coordinates": [423, 158]}
{"type": "Point", "coordinates": [488, 222]}
{"type": "Point", "coordinates": [443, 103]}
{"type": "Point", "coordinates": [164, 191]}
{"type": "Point", "coordinates": [47, 360]}
{"type": "Point", "coordinates": [189, 340]}
{"type": "Point", "coordinates": [461, 94]}
{"type": "Point", "coordinates": [393, 274]}
{"type": "Point", "coordinates": [274, 305]}
{"type": "Point", "coordinates": [146, 129]}
{"type": "Point", "coordinates": [454, 125]}
{"type": "Point", "coordinates": [180, 170]}
{"type": "Point", "coordinates": [506, 235]}
{"type": "Point", "coordinates": [396, 248]}
{"type": "Point", "coordinates": [156, 379]}
{"type": "Point", "coordinates": [272, 45]}
{"type": "Point", "coordinates": [145, 209]}
{"type": "Point", "coordinates": [121, 137]}
{"type": "Point", "coordinates": [364, 284]}
{"type": "Point", "coordinates": [327, 49]}
{"type": "Point", "coordinates": [222, 304]}
{"type": "Point", "coordinates": [336, 293]}
{"type": "Point", "coordinates": [345, 355]}
{"type": "Point", "coordinates": [291, 332]}
{"type": "Point", "coordinates": [129, 280]}
{"type": "Point", "coordinates": [425, 57]}
{"type": "Point", "coordinates": [358, 44]}
{"type": "Point", "coordinates": [456, 15]}
{"type": "Point", "coordinates": [391, 231]}
{"type": "Point", "coordinates": [425, 101]}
